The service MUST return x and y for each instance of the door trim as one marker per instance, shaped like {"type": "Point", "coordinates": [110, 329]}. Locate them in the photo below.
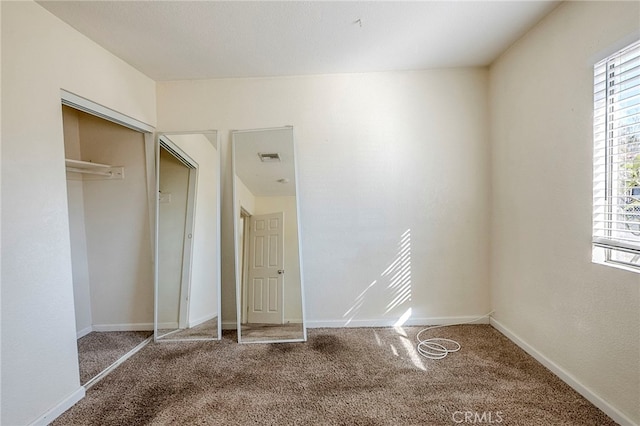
{"type": "Point", "coordinates": [246, 216]}
{"type": "Point", "coordinates": [85, 105]}
{"type": "Point", "coordinates": [90, 107]}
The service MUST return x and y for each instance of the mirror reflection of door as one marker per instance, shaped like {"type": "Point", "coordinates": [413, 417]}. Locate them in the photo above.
{"type": "Point", "coordinates": [265, 278]}
{"type": "Point", "coordinates": [269, 279]}
{"type": "Point", "coordinates": [187, 243]}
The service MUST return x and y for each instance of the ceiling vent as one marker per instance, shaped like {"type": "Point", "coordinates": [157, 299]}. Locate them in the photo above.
{"type": "Point", "coordinates": [273, 157]}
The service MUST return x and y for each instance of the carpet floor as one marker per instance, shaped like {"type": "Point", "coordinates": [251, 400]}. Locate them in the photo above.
{"type": "Point", "coordinates": [367, 376]}
{"type": "Point", "coordinates": [98, 350]}
{"type": "Point", "coordinates": [206, 330]}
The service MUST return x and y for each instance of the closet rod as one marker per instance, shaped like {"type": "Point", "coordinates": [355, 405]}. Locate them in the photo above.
{"type": "Point", "coordinates": [91, 172]}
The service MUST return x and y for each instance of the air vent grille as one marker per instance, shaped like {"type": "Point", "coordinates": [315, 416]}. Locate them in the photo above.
{"type": "Point", "coordinates": [271, 157]}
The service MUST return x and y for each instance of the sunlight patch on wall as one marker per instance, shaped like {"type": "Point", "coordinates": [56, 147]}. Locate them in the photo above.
{"type": "Point", "coordinates": [403, 318]}
{"type": "Point", "coordinates": [390, 293]}
{"type": "Point", "coordinates": [399, 273]}
{"type": "Point", "coordinates": [351, 313]}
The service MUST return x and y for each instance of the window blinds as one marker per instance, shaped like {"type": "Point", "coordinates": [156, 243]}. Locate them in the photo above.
{"type": "Point", "coordinates": [616, 205]}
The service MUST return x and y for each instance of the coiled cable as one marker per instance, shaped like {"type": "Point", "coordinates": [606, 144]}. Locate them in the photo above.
{"type": "Point", "coordinates": [439, 347]}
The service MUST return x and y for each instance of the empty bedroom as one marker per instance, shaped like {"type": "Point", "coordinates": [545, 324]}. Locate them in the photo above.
{"type": "Point", "coordinates": [310, 212]}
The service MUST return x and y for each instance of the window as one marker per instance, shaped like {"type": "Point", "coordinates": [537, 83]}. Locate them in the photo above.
{"type": "Point", "coordinates": [616, 126]}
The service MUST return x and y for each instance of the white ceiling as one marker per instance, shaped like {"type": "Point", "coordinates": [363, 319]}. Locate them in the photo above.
{"type": "Point", "coordinates": [263, 179]}
{"type": "Point", "coordinates": [178, 40]}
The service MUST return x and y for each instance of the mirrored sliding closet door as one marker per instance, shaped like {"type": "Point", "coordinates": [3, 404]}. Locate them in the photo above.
{"type": "Point", "coordinates": [187, 272]}
{"type": "Point", "coordinates": [269, 288]}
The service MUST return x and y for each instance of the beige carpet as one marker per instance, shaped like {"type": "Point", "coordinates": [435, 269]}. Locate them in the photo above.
{"type": "Point", "coordinates": [266, 332]}
{"type": "Point", "coordinates": [339, 377]}
{"type": "Point", "coordinates": [98, 350]}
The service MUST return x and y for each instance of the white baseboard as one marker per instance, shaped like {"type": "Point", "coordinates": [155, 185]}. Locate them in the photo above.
{"type": "Point", "coordinates": [475, 319]}
{"type": "Point", "coordinates": [566, 377]}
{"type": "Point", "coordinates": [83, 332]}
{"type": "Point", "coordinates": [143, 326]}
{"type": "Point", "coordinates": [60, 408]}
{"type": "Point", "coordinates": [202, 319]}
{"type": "Point", "coordinates": [229, 325]}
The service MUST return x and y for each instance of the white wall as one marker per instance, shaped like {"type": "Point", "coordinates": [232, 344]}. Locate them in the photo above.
{"type": "Point", "coordinates": [245, 198]}
{"type": "Point", "coordinates": [205, 266]}
{"type": "Point", "coordinates": [119, 250]}
{"type": "Point", "coordinates": [292, 294]}
{"type": "Point", "coordinates": [379, 155]}
{"type": "Point", "coordinates": [78, 236]}
{"type": "Point", "coordinates": [40, 55]}
{"type": "Point", "coordinates": [583, 317]}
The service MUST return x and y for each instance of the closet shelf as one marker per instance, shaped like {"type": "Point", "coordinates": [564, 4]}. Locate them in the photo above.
{"type": "Point", "coordinates": [97, 170]}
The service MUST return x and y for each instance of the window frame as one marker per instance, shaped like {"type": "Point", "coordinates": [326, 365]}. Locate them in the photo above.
{"type": "Point", "coordinates": [616, 159]}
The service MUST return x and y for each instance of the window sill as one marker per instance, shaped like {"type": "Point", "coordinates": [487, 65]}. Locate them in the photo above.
{"type": "Point", "coordinates": [599, 256]}
{"type": "Point", "coordinates": [612, 264]}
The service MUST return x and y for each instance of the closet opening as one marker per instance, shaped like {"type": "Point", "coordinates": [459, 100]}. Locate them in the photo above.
{"type": "Point", "coordinates": [110, 223]}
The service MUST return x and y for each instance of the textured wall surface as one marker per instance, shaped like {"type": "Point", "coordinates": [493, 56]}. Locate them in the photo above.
{"type": "Point", "coordinates": [584, 317]}
{"type": "Point", "coordinates": [41, 55]}
{"type": "Point", "coordinates": [393, 185]}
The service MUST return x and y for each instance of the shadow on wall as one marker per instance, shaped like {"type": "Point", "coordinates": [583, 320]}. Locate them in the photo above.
{"type": "Point", "coordinates": [395, 281]}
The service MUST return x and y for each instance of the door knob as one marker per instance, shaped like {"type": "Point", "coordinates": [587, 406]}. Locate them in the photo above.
{"type": "Point", "coordinates": [281, 271]}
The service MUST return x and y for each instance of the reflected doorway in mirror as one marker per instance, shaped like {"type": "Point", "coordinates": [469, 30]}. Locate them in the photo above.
{"type": "Point", "coordinates": [269, 287]}
{"type": "Point", "coordinates": [265, 276]}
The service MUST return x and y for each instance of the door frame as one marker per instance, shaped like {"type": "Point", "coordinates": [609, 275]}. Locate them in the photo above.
{"type": "Point", "coordinates": [88, 106]}
{"type": "Point", "coordinates": [245, 216]}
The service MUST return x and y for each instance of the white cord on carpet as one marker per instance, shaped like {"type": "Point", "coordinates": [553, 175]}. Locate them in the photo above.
{"type": "Point", "coordinates": [439, 347]}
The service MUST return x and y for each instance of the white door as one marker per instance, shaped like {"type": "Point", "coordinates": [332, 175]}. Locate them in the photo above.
{"type": "Point", "coordinates": [266, 270]}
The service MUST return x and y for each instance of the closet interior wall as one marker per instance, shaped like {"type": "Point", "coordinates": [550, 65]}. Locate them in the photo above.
{"type": "Point", "coordinates": [111, 246]}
